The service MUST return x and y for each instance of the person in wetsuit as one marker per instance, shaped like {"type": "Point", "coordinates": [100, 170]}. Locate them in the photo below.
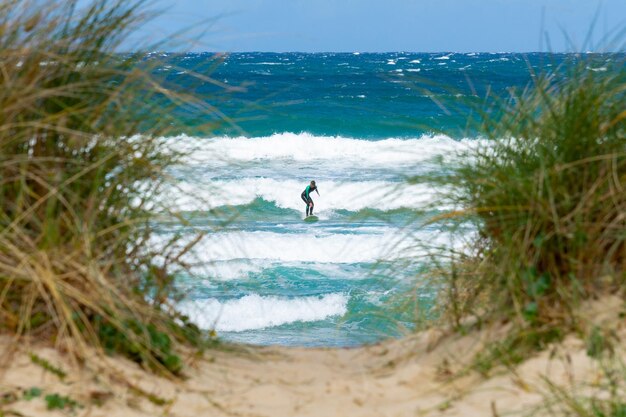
{"type": "Point", "coordinates": [306, 196]}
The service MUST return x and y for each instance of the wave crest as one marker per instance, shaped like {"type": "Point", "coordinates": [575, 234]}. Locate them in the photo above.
{"type": "Point", "coordinates": [253, 311]}
{"type": "Point", "coordinates": [308, 147]}
{"type": "Point", "coordinates": [285, 194]}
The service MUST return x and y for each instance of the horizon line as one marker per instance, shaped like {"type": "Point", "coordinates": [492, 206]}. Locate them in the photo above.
{"type": "Point", "coordinates": [377, 52]}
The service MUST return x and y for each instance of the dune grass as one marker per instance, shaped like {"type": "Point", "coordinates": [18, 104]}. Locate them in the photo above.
{"type": "Point", "coordinates": [78, 187]}
{"type": "Point", "coordinates": [545, 195]}
{"type": "Point", "coordinates": [606, 398]}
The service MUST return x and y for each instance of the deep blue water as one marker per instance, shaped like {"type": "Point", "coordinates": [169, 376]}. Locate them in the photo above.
{"type": "Point", "coordinates": [370, 95]}
{"type": "Point", "coordinates": [356, 123]}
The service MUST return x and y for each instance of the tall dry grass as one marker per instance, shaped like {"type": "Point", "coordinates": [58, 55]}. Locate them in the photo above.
{"type": "Point", "coordinates": [78, 187]}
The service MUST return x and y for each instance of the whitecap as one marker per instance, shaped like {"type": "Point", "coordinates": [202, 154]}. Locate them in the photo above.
{"type": "Point", "coordinates": [237, 253]}
{"type": "Point", "coordinates": [254, 311]}
{"type": "Point", "coordinates": [306, 147]}
{"type": "Point", "coordinates": [285, 193]}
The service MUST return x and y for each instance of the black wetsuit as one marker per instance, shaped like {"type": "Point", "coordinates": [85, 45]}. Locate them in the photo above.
{"type": "Point", "coordinates": [306, 197]}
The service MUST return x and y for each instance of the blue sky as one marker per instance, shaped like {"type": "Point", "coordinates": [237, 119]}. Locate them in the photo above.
{"type": "Point", "coordinates": [382, 25]}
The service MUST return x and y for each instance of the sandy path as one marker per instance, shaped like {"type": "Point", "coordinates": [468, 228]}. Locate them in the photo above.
{"type": "Point", "coordinates": [409, 377]}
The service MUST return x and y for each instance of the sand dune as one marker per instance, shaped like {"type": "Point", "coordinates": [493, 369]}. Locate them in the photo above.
{"type": "Point", "coordinates": [421, 375]}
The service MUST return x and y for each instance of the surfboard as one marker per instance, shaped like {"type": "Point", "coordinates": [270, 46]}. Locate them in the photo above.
{"type": "Point", "coordinates": [311, 219]}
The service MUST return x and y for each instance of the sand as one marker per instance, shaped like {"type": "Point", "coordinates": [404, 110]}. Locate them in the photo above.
{"type": "Point", "coordinates": [425, 374]}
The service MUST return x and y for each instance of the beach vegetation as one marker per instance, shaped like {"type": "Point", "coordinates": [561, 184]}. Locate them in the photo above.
{"type": "Point", "coordinates": [60, 402]}
{"type": "Point", "coordinates": [46, 365]}
{"type": "Point", "coordinates": [33, 392]}
{"type": "Point", "coordinates": [603, 398]}
{"type": "Point", "coordinates": [545, 195]}
{"type": "Point", "coordinates": [153, 398]}
{"type": "Point", "coordinates": [80, 173]}
{"type": "Point", "coordinates": [600, 342]}
{"type": "Point", "coordinates": [514, 349]}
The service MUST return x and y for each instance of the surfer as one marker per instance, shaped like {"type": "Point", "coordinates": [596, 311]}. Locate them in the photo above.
{"type": "Point", "coordinates": [306, 196]}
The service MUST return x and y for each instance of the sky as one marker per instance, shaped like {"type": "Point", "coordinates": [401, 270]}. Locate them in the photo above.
{"type": "Point", "coordinates": [385, 25]}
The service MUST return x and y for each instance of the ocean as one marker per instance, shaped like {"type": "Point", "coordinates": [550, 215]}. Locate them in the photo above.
{"type": "Point", "coordinates": [357, 124]}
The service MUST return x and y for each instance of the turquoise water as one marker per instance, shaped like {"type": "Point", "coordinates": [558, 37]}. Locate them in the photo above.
{"type": "Point", "coordinates": [358, 124]}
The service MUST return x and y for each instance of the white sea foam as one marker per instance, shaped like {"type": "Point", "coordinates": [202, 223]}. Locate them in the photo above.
{"type": "Point", "coordinates": [228, 270]}
{"type": "Point", "coordinates": [307, 147]}
{"type": "Point", "coordinates": [253, 311]}
{"type": "Point", "coordinates": [311, 245]}
{"type": "Point", "coordinates": [334, 195]}
{"type": "Point", "coordinates": [266, 63]}
{"type": "Point", "coordinates": [241, 269]}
